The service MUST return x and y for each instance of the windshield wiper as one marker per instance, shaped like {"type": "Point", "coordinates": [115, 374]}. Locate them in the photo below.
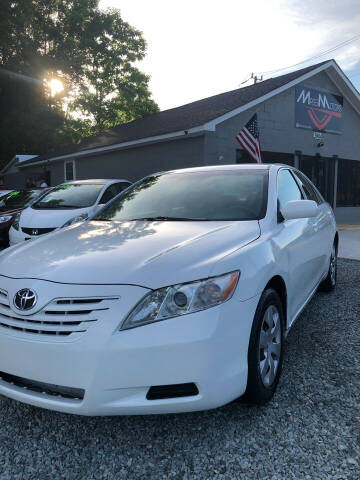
{"type": "Point", "coordinates": [56, 207]}
{"type": "Point", "coordinates": [174, 219]}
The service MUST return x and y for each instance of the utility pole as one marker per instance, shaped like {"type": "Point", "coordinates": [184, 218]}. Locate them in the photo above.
{"type": "Point", "coordinates": [256, 78]}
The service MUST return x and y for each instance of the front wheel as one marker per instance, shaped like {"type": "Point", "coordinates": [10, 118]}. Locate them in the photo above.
{"type": "Point", "coordinates": [329, 283]}
{"type": "Point", "coordinates": [265, 354]}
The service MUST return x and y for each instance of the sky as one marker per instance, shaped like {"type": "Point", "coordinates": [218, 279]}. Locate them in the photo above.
{"type": "Point", "coordinates": [199, 48]}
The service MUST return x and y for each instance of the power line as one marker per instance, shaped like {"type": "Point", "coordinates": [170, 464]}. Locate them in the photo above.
{"type": "Point", "coordinates": [354, 76]}
{"type": "Point", "coordinates": [332, 49]}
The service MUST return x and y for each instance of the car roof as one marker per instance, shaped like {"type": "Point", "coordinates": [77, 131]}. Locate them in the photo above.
{"type": "Point", "coordinates": [97, 181]}
{"type": "Point", "coordinates": [243, 166]}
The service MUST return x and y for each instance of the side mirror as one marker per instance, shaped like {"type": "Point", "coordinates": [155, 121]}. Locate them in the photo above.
{"type": "Point", "coordinates": [299, 209]}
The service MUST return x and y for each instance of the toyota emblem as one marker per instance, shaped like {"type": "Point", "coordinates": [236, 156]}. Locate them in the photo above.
{"type": "Point", "coordinates": [35, 231]}
{"type": "Point", "coordinates": [25, 299]}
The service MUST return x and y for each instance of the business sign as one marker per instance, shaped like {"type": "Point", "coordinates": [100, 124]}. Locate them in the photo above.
{"type": "Point", "coordinates": [318, 110]}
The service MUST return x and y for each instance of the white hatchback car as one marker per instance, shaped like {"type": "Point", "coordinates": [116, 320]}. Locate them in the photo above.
{"type": "Point", "coordinates": [68, 203]}
{"type": "Point", "coordinates": [176, 297]}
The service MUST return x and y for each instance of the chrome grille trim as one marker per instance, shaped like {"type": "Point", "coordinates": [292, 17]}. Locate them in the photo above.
{"type": "Point", "coordinates": [3, 293]}
{"type": "Point", "coordinates": [53, 319]}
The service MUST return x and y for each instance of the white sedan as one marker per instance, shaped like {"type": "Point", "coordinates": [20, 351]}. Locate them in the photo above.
{"type": "Point", "coordinates": [176, 297]}
{"type": "Point", "coordinates": [68, 203]}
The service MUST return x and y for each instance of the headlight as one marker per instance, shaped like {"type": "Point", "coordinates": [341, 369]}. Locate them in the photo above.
{"type": "Point", "coordinates": [16, 221]}
{"type": "Point", "coordinates": [5, 218]}
{"type": "Point", "coordinates": [77, 219]}
{"type": "Point", "coordinates": [182, 299]}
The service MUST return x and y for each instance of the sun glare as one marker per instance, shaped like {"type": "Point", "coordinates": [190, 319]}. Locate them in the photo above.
{"type": "Point", "coordinates": [55, 86]}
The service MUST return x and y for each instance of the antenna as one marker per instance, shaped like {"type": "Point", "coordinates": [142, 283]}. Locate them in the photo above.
{"type": "Point", "coordinates": [256, 78]}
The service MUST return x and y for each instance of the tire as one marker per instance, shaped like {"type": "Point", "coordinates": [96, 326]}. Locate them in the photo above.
{"type": "Point", "coordinates": [329, 284]}
{"type": "Point", "coordinates": [264, 367]}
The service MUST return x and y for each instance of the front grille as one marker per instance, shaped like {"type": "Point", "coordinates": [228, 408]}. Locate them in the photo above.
{"type": "Point", "coordinates": [178, 390]}
{"type": "Point", "coordinates": [36, 231]}
{"type": "Point", "coordinates": [40, 387]}
{"type": "Point", "coordinates": [62, 317]}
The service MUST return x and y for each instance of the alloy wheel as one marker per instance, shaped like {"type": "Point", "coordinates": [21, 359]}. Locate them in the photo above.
{"type": "Point", "coordinates": [270, 345]}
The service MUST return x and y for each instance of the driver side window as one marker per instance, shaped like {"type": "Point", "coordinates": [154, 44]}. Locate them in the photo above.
{"type": "Point", "coordinates": [287, 188]}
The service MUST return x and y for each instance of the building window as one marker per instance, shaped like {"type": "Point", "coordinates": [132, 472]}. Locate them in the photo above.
{"type": "Point", "coordinates": [321, 172]}
{"type": "Point", "coordinates": [70, 170]}
{"type": "Point", "coordinates": [348, 192]}
{"type": "Point", "coordinates": [267, 157]}
{"type": "Point", "coordinates": [243, 157]}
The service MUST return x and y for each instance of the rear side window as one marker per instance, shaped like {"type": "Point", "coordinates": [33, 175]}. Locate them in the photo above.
{"type": "Point", "coordinates": [120, 187]}
{"type": "Point", "coordinates": [112, 191]}
{"type": "Point", "coordinates": [288, 189]}
{"type": "Point", "coordinates": [108, 195]}
{"type": "Point", "coordinates": [308, 188]}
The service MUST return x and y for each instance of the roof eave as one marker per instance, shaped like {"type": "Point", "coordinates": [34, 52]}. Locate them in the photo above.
{"type": "Point", "coordinates": [191, 132]}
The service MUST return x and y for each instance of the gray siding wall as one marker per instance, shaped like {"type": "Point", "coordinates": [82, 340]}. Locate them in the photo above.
{"type": "Point", "coordinates": [56, 170]}
{"type": "Point", "coordinates": [14, 180]}
{"type": "Point", "coordinates": [133, 163]}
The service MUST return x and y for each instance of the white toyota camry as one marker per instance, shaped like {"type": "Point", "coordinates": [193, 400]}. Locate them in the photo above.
{"type": "Point", "coordinates": [176, 297]}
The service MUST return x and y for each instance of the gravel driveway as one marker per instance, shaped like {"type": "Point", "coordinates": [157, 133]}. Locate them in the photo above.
{"type": "Point", "coordinates": [311, 430]}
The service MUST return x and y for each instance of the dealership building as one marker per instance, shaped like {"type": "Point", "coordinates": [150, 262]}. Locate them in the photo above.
{"type": "Point", "coordinates": [309, 118]}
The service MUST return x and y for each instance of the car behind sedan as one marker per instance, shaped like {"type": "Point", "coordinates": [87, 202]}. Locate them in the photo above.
{"type": "Point", "coordinates": [64, 205]}
{"type": "Point", "coordinates": [11, 205]}
{"type": "Point", "coordinates": [177, 296]}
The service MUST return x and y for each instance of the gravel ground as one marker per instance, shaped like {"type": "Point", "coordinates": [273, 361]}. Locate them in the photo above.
{"type": "Point", "coordinates": [311, 429]}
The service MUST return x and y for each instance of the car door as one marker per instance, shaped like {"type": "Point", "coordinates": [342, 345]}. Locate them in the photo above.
{"type": "Point", "coordinates": [322, 224]}
{"type": "Point", "coordinates": [297, 239]}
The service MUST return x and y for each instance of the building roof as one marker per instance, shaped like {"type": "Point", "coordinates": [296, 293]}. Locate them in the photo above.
{"type": "Point", "coordinates": [181, 118]}
{"type": "Point", "coordinates": [17, 159]}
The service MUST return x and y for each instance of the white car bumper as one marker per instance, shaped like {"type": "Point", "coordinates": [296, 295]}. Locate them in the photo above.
{"type": "Point", "coordinates": [111, 371]}
{"type": "Point", "coordinates": [17, 236]}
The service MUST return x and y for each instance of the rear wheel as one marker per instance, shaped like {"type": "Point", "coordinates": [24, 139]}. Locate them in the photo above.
{"type": "Point", "coordinates": [265, 354]}
{"type": "Point", "coordinates": [329, 283]}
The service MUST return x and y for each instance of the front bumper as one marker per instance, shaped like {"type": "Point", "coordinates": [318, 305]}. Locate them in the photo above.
{"type": "Point", "coordinates": [17, 236]}
{"type": "Point", "coordinates": [117, 368]}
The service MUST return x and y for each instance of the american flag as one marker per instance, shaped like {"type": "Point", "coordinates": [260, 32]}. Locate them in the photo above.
{"type": "Point", "coordinates": [248, 138]}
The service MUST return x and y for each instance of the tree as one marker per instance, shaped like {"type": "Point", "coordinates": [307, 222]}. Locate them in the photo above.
{"type": "Point", "coordinates": [91, 51]}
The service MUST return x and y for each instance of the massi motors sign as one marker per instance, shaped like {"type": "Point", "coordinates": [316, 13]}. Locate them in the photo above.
{"type": "Point", "coordinates": [318, 110]}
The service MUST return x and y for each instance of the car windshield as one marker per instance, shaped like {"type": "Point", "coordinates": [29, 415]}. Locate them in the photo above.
{"type": "Point", "coordinates": [206, 196]}
{"type": "Point", "coordinates": [70, 196]}
{"type": "Point", "coordinates": [18, 199]}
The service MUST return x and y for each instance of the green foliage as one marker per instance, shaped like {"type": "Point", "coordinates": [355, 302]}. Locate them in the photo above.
{"type": "Point", "coordinates": [93, 52]}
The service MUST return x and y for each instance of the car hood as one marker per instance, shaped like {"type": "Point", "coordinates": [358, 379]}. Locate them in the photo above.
{"type": "Point", "coordinates": [151, 254]}
{"type": "Point", "coordinates": [52, 218]}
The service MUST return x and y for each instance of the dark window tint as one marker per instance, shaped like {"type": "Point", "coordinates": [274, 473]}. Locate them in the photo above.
{"type": "Point", "coordinates": [348, 191]}
{"type": "Point", "coordinates": [112, 191]}
{"type": "Point", "coordinates": [287, 188]}
{"type": "Point", "coordinates": [321, 172]}
{"type": "Point", "coordinates": [122, 186]}
{"type": "Point", "coordinates": [18, 199]}
{"type": "Point", "coordinates": [69, 171]}
{"type": "Point", "coordinates": [208, 195]}
{"type": "Point", "coordinates": [308, 188]}
{"type": "Point", "coordinates": [72, 195]}
{"type": "Point", "coordinates": [108, 195]}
